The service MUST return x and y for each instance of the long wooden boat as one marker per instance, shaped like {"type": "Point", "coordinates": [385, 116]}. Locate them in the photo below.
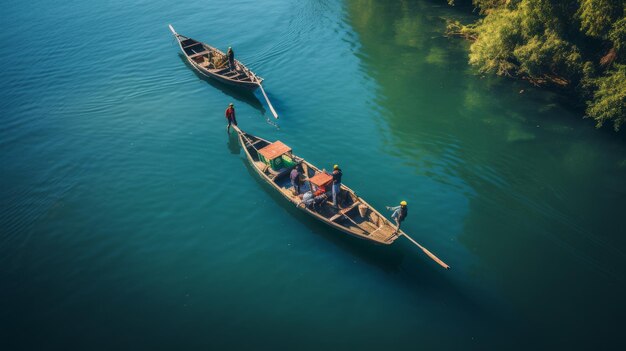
{"type": "Point", "coordinates": [273, 161]}
{"type": "Point", "coordinates": [213, 63]}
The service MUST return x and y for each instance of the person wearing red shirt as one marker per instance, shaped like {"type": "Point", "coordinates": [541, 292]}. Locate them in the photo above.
{"type": "Point", "coordinates": [230, 116]}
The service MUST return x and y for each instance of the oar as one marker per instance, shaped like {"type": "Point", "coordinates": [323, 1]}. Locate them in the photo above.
{"type": "Point", "coordinates": [430, 254]}
{"type": "Point", "coordinates": [268, 102]}
{"type": "Point", "coordinates": [172, 29]}
{"type": "Point", "coordinates": [350, 219]}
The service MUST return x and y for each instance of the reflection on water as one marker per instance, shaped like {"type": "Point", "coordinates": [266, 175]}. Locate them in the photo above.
{"type": "Point", "coordinates": [233, 143]}
{"type": "Point", "coordinates": [542, 191]}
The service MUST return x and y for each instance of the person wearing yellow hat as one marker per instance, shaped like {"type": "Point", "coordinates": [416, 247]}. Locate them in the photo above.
{"type": "Point", "coordinates": [399, 213]}
{"type": "Point", "coordinates": [337, 174]}
{"type": "Point", "coordinates": [230, 116]}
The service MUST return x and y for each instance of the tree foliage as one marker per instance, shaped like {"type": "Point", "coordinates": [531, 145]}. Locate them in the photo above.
{"type": "Point", "coordinates": [597, 16]}
{"type": "Point", "coordinates": [548, 56]}
{"type": "Point", "coordinates": [609, 100]}
{"type": "Point", "coordinates": [498, 34]}
{"type": "Point", "coordinates": [576, 44]}
{"type": "Point", "coordinates": [618, 37]}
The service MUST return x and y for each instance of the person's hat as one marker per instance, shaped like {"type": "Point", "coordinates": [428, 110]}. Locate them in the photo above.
{"type": "Point", "coordinates": [402, 203]}
{"type": "Point", "coordinates": [231, 104]}
{"type": "Point", "coordinates": [335, 167]}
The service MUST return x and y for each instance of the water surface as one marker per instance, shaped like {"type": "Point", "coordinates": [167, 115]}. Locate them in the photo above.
{"type": "Point", "coordinates": [130, 219]}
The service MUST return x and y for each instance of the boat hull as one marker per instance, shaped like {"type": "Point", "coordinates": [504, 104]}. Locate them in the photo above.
{"type": "Point", "coordinates": [247, 86]}
{"type": "Point", "coordinates": [315, 215]}
{"type": "Point", "coordinates": [193, 50]}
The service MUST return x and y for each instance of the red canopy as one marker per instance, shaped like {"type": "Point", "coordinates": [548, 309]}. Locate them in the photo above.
{"type": "Point", "coordinates": [321, 179]}
{"type": "Point", "coordinates": [274, 150]}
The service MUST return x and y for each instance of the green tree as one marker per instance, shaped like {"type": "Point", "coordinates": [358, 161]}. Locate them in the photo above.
{"type": "Point", "coordinates": [609, 100]}
{"type": "Point", "coordinates": [597, 16]}
{"type": "Point", "coordinates": [575, 44]}
{"type": "Point", "coordinates": [548, 57]}
{"type": "Point", "coordinates": [618, 37]}
{"type": "Point", "coordinates": [498, 34]}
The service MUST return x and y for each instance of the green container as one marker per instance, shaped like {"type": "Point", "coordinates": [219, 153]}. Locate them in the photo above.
{"type": "Point", "coordinates": [278, 163]}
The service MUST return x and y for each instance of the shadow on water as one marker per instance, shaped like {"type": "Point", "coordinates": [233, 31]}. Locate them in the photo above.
{"type": "Point", "coordinates": [233, 144]}
{"type": "Point", "coordinates": [388, 258]}
{"type": "Point", "coordinates": [401, 262]}
{"type": "Point", "coordinates": [378, 255]}
{"type": "Point", "coordinates": [241, 95]}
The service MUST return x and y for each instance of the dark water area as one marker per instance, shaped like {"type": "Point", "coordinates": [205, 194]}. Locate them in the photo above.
{"type": "Point", "coordinates": [130, 220]}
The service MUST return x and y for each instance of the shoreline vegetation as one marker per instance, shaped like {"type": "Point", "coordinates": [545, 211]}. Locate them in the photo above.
{"type": "Point", "coordinates": [578, 46]}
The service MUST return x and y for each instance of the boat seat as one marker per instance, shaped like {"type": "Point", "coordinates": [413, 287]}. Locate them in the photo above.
{"type": "Point", "coordinates": [221, 71]}
{"type": "Point", "coordinates": [377, 229]}
{"type": "Point", "coordinates": [335, 217]}
{"type": "Point", "coordinates": [343, 212]}
{"type": "Point", "coordinates": [199, 54]}
{"type": "Point", "coordinates": [190, 45]}
{"type": "Point", "coordinates": [256, 142]}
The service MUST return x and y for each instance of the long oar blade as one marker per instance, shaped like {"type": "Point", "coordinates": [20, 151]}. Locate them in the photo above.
{"type": "Point", "coordinates": [172, 29]}
{"type": "Point", "coordinates": [428, 253]}
{"type": "Point", "coordinates": [268, 102]}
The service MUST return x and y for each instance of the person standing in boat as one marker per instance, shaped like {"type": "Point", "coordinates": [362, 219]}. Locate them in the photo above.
{"type": "Point", "coordinates": [295, 179]}
{"type": "Point", "coordinates": [230, 116]}
{"type": "Point", "coordinates": [337, 174]}
{"type": "Point", "coordinates": [231, 58]}
{"type": "Point", "coordinates": [399, 213]}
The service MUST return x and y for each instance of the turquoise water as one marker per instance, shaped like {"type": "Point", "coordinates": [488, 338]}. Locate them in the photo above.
{"type": "Point", "coordinates": [131, 220]}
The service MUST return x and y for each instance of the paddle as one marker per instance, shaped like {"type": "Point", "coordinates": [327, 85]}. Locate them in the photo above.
{"type": "Point", "coordinates": [268, 102]}
{"type": "Point", "coordinates": [172, 29]}
{"type": "Point", "coordinates": [350, 219]}
{"type": "Point", "coordinates": [430, 254]}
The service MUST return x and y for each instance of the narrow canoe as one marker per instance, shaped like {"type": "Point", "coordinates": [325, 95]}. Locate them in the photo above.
{"type": "Point", "coordinates": [213, 63]}
{"type": "Point", "coordinates": [354, 215]}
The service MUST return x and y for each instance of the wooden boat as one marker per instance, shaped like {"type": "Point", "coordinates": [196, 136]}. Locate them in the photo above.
{"type": "Point", "coordinates": [213, 63]}
{"type": "Point", "coordinates": [273, 161]}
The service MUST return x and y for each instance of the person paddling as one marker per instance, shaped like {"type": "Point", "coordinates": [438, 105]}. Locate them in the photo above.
{"type": "Point", "coordinates": [399, 214]}
{"type": "Point", "coordinates": [230, 116]}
